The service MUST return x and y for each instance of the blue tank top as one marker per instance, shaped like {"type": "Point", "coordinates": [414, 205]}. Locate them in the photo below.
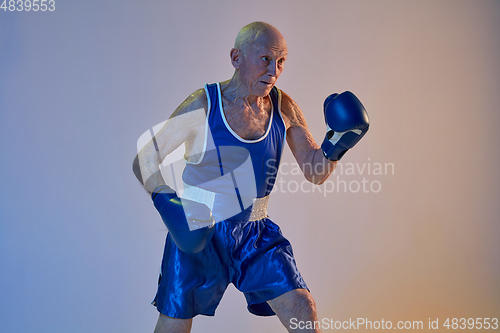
{"type": "Point", "coordinates": [230, 163]}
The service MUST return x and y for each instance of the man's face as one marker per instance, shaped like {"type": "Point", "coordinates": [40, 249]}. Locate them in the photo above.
{"type": "Point", "coordinates": [261, 65]}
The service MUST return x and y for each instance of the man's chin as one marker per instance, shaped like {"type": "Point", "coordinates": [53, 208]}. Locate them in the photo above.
{"type": "Point", "coordinates": [262, 91]}
{"type": "Point", "coordinates": [267, 90]}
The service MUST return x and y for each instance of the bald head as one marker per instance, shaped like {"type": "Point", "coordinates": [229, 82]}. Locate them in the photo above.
{"type": "Point", "coordinates": [258, 57]}
{"type": "Point", "coordinates": [258, 33]}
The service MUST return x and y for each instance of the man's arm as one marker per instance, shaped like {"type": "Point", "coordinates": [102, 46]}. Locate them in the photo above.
{"type": "Point", "coordinates": [308, 154]}
{"type": "Point", "coordinates": [185, 124]}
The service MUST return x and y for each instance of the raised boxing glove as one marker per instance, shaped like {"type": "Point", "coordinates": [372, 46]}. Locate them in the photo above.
{"type": "Point", "coordinates": [190, 223]}
{"type": "Point", "coordinates": [346, 120]}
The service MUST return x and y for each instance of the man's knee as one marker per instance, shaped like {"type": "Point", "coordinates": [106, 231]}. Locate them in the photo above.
{"type": "Point", "coordinates": [169, 324]}
{"type": "Point", "coordinates": [303, 302]}
{"type": "Point", "coordinates": [295, 305]}
{"type": "Point", "coordinates": [297, 301]}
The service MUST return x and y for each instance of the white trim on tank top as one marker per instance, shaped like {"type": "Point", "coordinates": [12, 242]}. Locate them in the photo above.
{"type": "Point", "coordinates": [231, 130]}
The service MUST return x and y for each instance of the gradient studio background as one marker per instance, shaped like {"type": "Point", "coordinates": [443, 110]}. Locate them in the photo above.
{"type": "Point", "coordinates": [81, 244]}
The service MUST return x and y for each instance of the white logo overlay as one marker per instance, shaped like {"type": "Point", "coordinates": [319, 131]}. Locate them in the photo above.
{"type": "Point", "coordinates": [227, 190]}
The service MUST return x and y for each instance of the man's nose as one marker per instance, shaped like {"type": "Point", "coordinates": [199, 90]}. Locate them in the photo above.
{"type": "Point", "coordinates": [272, 69]}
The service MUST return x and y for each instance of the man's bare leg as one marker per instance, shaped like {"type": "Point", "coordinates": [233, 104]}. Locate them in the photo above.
{"type": "Point", "coordinates": [298, 304]}
{"type": "Point", "coordinates": [167, 324]}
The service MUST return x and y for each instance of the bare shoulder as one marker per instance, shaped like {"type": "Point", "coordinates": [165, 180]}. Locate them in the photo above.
{"type": "Point", "coordinates": [187, 122]}
{"type": "Point", "coordinates": [196, 101]}
{"type": "Point", "coordinates": [292, 114]}
{"type": "Point", "coordinates": [190, 115]}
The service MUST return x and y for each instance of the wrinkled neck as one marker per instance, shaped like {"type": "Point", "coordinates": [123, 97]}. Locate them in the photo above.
{"type": "Point", "coordinates": [238, 93]}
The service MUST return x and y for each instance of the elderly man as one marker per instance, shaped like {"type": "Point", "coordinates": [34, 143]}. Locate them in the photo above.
{"type": "Point", "coordinates": [219, 231]}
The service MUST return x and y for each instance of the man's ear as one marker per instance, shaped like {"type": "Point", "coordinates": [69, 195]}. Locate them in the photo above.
{"type": "Point", "coordinates": [235, 58]}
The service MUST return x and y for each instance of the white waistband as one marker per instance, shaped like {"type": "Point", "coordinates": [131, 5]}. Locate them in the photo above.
{"type": "Point", "coordinates": [225, 206]}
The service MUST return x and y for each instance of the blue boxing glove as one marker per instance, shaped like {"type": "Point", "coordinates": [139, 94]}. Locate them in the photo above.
{"type": "Point", "coordinates": [190, 223]}
{"type": "Point", "coordinates": [346, 120]}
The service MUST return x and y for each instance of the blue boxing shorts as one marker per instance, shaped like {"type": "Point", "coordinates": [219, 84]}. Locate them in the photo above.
{"type": "Point", "coordinates": [254, 256]}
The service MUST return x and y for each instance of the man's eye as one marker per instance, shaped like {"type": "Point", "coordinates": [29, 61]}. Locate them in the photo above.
{"type": "Point", "coordinates": [265, 58]}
